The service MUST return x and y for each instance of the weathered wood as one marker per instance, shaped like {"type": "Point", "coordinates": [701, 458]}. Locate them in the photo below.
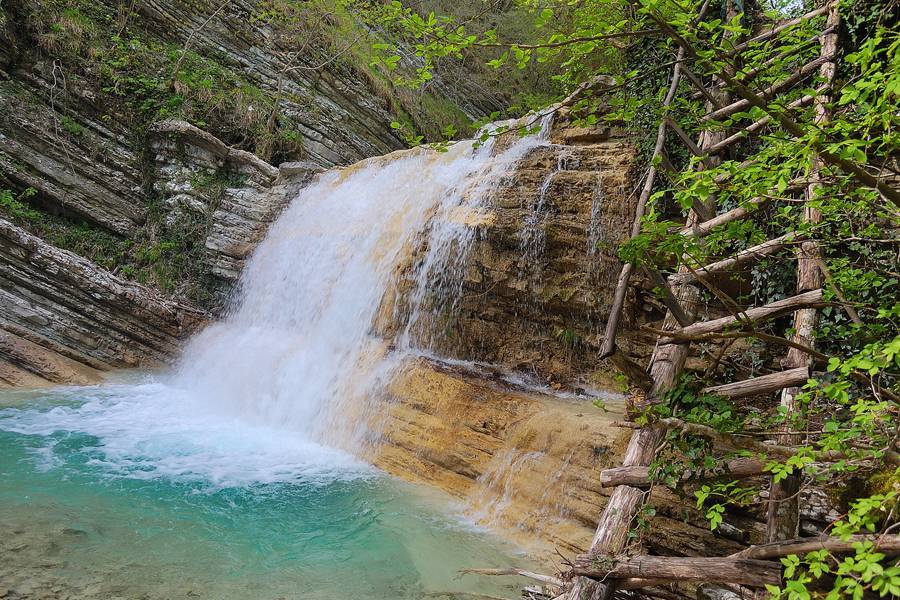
{"type": "Point", "coordinates": [792, 50]}
{"type": "Point", "coordinates": [734, 441]}
{"type": "Point", "coordinates": [783, 515]}
{"type": "Point", "coordinates": [636, 375]}
{"type": "Point", "coordinates": [743, 257]}
{"type": "Point", "coordinates": [667, 296]}
{"type": "Point", "coordinates": [625, 501]}
{"type": "Point", "coordinates": [771, 91]}
{"type": "Point", "coordinates": [811, 299]}
{"type": "Point", "coordinates": [704, 228]}
{"type": "Point", "coordinates": [743, 571]}
{"type": "Point", "coordinates": [684, 137]}
{"type": "Point", "coordinates": [755, 126]}
{"type": "Point", "coordinates": [639, 476]}
{"type": "Point", "coordinates": [765, 384]}
{"type": "Point", "coordinates": [887, 543]}
{"type": "Point", "coordinates": [701, 89]}
{"type": "Point", "coordinates": [615, 311]}
{"type": "Point", "coordinates": [770, 33]}
{"type": "Point", "coordinates": [512, 571]}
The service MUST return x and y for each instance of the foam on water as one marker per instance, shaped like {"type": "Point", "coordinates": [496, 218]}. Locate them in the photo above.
{"type": "Point", "coordinates": [151, 429]}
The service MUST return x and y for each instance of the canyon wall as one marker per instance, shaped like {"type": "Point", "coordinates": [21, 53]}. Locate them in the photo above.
{"type": "Point", "coordinates": [137, 145]}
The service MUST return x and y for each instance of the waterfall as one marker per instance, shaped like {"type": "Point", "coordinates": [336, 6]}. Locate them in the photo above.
{"type": "Point", "coordinates": [297, 349]}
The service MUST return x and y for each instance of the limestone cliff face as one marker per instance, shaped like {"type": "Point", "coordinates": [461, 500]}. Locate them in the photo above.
{"type": "Point", "coordinates": [527, 461]}
{"type": "Point", "coordinates": [541, 273]}
{"type": "Point", "coordinates": [65, 320]}
{"type": "Point", "coordinates": [236, 211]}
{"type": "Point", "coordinates": [538, 278]}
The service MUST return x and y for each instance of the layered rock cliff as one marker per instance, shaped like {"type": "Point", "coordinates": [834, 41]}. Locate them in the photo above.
{"type": "Point", "coordinates": [526, 460]}
{"type": "Point", "coordinates": [143, 138]}
{"type": "Point", "coordinates": [65, 320]}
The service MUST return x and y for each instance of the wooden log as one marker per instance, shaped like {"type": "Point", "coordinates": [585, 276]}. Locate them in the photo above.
{"type": "Point", "coordinates": [743, 571]}
{"type": "Point", "coordinates": [765, 384]}
{"type": "Point", "coordinates": [615, 312]}
{"type": "Point", "coordinates": [811, 299]}
{"type": "Point", "coordinates": [887, 543]}
{"type": "Point", "coordinates": [668, 297]}
{"type": "Point", "coordinates": [755, 126]}
{"type": "Point", "coordinates": [636, 375]}
{"type": "Point", "coordinates": [684, 137]}
{"type": "Point", "coordinates": [665, 365]}
{"type": "Point", "coordinates": [625, 501]}
{"type": "Point", "coordinates": [734, 441]}
{"type": "Point", "coordinates": [783, 515]}
{"type": "Point", "coordinates": [639, 476]}
{"type": "Point", "coordinates": [771, 91]}
{"type": "Point", "coordinates": [701, 89]}
{"type": "Point", "coordinates": [770, 33]}
{"type": "Point", "coordinates": [743, 257]}
{"type": "Point", "coordinates": [704, 228]}
{"type": "Point", "coordinates": [746, 76]}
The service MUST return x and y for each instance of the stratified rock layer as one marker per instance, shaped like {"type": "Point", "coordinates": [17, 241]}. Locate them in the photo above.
{"type": "Point", "coordinates": [245, 194]}
{"type": "Point", "coordinates": [541, 274]}
{"type": "Point", "coordinates": [528, 463]}
{"type": "Point", "coordinates": [65, 320]}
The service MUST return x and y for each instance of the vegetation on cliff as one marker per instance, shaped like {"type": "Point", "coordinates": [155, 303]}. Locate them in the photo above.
{"type": "Point", "coordinates": [99, 74]}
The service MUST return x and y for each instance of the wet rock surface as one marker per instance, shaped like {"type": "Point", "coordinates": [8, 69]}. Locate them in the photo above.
{"type": "Point", "coordinates": [526, 460]}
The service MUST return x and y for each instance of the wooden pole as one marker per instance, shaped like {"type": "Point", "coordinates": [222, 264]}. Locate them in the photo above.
{"type": "Point", "coordinates": [615, 312]}
{"type": "Point", "coordinates": [811, 299]}
{"type": "Point", "coordinates": [765, 384]}
{"type": "Point", "coordinates": [704, 228]}
{"type": "Point", "coordinates": [771, 91]}
{"type": "Point", "coordinates": [666, 364]}
{"type": "Point", "coordinates": [756, 126]}
{"type": "Point", "coordinates": [639, 476]}
{"type": "Point", "coordinates": [743, 257]}
{"type": "Point", "coordinates": [887, 543]}
{"type": "Point", "coordinates": [612, 529]}
{"type": "Point", "coordinates": [783, 517]}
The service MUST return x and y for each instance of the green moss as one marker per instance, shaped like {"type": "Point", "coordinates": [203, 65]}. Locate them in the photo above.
{"type": "Point", "coordinates": [71, 126]}
{"type": "Point", "coordinates": [16, 208]}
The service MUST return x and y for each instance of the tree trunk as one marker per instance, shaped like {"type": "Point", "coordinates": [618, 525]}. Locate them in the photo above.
{"type": "Point", "coordinates": [783, 520]}
{"type": "Point", "coordinates": [812, 299]}
{"type": "Point", "coordinates": [765, 384]}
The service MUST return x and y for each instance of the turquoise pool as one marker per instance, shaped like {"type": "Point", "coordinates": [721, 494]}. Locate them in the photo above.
{"type": "Point", "coordinates": [126, 491]}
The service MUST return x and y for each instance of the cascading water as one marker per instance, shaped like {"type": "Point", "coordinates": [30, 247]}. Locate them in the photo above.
{"type": "Point", "coordinates": [438, 277]}
{"type": "Point", "coordinates": [533, 237]}
{"type": "Point", "coordinates": [239, 442]}
{"type": "Point", "coordinates": [312, 290]}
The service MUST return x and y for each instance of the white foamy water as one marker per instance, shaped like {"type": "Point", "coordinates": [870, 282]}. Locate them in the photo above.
{"type": "Point", "coordinates": [265, 394]}
{"type": "Point", "coordinates": [151, 429]}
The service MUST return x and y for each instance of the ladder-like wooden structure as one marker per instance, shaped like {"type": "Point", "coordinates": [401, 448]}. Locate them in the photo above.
{"type": "Point", "coordinates": [603, 570]}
